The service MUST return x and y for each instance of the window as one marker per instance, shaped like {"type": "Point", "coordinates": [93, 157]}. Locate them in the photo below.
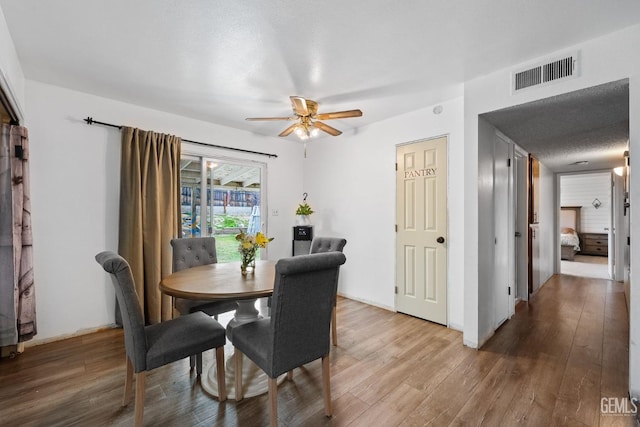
{"type": "Point", "coordinates": [221, 197]}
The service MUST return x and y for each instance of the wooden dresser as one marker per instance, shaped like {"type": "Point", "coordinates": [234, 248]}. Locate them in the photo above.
{"type": "Point", "coordinates": [594, 244]}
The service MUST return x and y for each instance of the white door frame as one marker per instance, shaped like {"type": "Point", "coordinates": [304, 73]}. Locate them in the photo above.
{"type": "Point", "coordinates": [510, 286]}
{"type": "Point", "coordinates": [521, 221]}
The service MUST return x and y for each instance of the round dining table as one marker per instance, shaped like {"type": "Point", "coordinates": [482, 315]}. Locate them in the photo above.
{"type": "Point", "coordinates": [224, 281]}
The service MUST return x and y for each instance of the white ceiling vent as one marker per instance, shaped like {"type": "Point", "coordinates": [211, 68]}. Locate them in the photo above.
{"type": "Point", "coordinates": [565, 67]}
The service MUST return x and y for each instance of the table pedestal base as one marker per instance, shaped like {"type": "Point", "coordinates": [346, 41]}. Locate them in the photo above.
{"type": "Point", "coordinates": [254, 380]}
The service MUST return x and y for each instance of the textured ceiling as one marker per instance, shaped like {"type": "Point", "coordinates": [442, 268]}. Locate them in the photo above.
{"type": "Point", "coordinates": [587, 125]}
{"type": "Point", "coordinates": [224, 61]}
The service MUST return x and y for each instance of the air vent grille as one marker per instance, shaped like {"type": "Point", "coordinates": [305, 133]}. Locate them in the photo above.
{"type": "Point", "coordinates": [563, 68]}
{"type": "Point", "coordinates": [528, 78]}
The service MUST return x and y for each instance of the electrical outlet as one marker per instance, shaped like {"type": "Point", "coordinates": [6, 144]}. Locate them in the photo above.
{"type": "Point", "coordinates": [274, 212]}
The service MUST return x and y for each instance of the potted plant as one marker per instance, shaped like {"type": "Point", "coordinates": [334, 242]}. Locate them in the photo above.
{"type": "Point", "coordinates": [303, 212]}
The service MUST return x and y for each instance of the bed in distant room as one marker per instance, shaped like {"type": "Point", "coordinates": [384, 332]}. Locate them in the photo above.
{"type": "Point", "coordinates": [569, 232]}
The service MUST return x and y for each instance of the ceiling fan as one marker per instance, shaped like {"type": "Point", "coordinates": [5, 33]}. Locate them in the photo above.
{"type": "Point", "coordinates": [306, 116]}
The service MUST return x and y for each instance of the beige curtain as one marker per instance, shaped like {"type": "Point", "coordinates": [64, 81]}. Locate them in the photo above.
{"type": "Point", "coordinates": [149, 213]}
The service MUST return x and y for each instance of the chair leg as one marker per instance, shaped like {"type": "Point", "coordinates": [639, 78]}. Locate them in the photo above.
{"type": "Point", "coordinates": [290, 375]}
{"type": "Point", "coordinates": [222, 385]}
{"type": "Point", "coordinates": [237, 359]}
{"type": "Point", "coordinates": [273, 402]}
{"type": "Point", "coordinates": [192, 361]}
{"type": "Point", "coordinates": [198, 363]}
{"type": "Point", "coordinates": [334, 330]}
{"type": "Point", "coordinates": [128, 383]}
{"type": "Point", "coordinates": [326, 383]}
{"type": "Point", "coordinates": [140, 386]}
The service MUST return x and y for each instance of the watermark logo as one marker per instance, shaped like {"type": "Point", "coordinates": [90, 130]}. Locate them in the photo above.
{"type": "Point", "coordinates": [619, 406]}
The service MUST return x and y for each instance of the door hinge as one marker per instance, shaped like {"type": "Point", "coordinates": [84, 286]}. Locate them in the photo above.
{"type": "Point", "coordinates": [396, 290]}
{"type": "Point", "coordinates": [396, 228]}
{"type": "Point", "coordinates": [508, 163]}
{"type": "Point", "coordinates": [509, 290]}
{"type": "Point", "coordinates": [396, 166]}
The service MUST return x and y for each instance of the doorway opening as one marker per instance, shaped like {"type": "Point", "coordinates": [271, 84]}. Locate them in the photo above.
{"type": "Point", "coordinates": [586, 226]}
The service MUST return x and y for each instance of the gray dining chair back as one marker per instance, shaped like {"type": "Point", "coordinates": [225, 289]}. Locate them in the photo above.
{"type": "Point", "coordinates": [135, 341]}
{"type": "Point", "coordinates": [192, 252]}
{"type": "Point", "coordinates": [303, 295]}
{"type": "Point", "coordinates": [298, 330]}
{"type": "Point", "coordinates": [149, 347]}
{"type": "Point", "coordinates": [329, 244]}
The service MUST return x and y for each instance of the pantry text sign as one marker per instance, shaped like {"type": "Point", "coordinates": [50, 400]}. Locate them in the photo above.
{"type": "Point", "coordinates": [420, 172]}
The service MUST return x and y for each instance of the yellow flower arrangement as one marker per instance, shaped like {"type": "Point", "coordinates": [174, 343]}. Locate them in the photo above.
{"type": "Point", "coordinates": [248, 247]}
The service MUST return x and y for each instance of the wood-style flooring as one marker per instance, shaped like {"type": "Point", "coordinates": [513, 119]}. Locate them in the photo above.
{"type": "Point", "coordinates": [549, 365]}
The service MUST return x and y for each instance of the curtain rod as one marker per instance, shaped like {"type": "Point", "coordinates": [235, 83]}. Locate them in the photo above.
{"type": "Point", "coordinates": [90, 121]}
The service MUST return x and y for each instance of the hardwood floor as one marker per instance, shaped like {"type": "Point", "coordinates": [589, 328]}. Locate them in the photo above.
{"type": "Point", "coordinates": [549, 365]}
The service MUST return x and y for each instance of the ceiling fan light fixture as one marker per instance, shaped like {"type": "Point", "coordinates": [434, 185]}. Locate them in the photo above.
{"type": "Point", "coordinates": [302, 132]}
{"type": "Point", "coordinates": [305, 111]}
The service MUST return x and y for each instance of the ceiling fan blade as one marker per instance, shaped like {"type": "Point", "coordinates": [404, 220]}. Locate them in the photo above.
{"type": "Point", "coordinates": [288, 130]}
{"type": "Point", "coordinates": [326, 128]}
{"type": "Point", "coordinates": [339, 115]}
{"type": "Point", "coordinates": [299, 105]}
{"type": "Point", "coordinates": [253, 119]}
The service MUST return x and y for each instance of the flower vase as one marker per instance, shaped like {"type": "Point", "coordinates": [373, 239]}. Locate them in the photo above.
{"type": "Point", "coordinates": [248, 264]}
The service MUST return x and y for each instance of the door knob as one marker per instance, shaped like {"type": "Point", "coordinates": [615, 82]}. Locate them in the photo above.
{"type": "Point", "coordinates": [440, 239]}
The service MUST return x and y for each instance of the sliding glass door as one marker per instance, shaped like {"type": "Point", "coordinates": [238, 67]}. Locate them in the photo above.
{"type": "Point", "coordinates": [221, 198]}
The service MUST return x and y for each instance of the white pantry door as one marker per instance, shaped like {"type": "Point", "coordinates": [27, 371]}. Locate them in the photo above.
{"type": "Point", "coordinates": [421, 240]}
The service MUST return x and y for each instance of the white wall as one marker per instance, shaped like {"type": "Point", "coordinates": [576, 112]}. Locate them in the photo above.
{"type": "Point", "coordinates": [11, 76]}
{"type": "Point", "coordinates": [581, 190]}
{"type": "Point", "coordinates": [609, 58]}
{"type": "Point", "coordinates": [634, 232]}
{"type": "Point", "coordinates": [75, 172]}
{"type": "Point", "coordinates": [351, 186]}
{"type": "Point", "coordinates": [486, 245]}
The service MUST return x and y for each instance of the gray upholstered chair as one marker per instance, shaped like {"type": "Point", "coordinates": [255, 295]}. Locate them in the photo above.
{"type": "Point", "coordinates": [329, 244]}
{"type": "Point", "coordinates": [191, 252]}
{"type": "Point", "coordinates": [149, 347]}
{"type": "Point", "coordinates": [298, 330]}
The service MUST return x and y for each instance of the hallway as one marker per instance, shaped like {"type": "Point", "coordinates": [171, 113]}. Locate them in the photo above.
{"type": "Point", "coordinates": [572, 340]}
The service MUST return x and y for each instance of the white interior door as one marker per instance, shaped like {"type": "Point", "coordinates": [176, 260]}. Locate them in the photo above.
{"type": "Point", "coordinates": [421, 216]}
{"type": "Point", "coordinates": [502, 227]}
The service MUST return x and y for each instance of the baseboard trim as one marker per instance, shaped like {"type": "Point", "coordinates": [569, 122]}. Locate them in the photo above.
{"type": "Point", "coordinates": [78, 333]}
{"type": "Point", "coordinates": [364, 301]}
